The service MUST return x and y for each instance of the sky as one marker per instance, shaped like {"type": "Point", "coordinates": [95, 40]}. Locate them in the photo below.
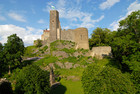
{"type": "Point", "coordinates": [28, 18]}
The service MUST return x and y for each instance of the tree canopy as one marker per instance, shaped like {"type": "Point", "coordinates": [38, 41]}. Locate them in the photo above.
{"type": "Point", "coordinates": [13, 50]}
{"type": "Point", "coordinates": [106, 80]}
{"type": "Point", "coordinates": [101, 37]}
{"type": "Point", "coordinates": [32, 80]}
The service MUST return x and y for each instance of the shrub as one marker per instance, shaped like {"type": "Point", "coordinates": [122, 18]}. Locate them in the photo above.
{"type": "Point", "coordinates": [38, 43]}
{"type": "Point", "coordinates": [45, 48]}
{"type": "Point", "coordinates": [32, 80]}
{"type": "Point", "coordinates": [106, 80]}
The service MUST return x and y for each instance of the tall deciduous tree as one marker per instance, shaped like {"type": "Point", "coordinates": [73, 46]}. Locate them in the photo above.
{"type": "Point", "coordinates": [13, 50]}
{"type": "Point", "coordinates": [126, 44]}
{"type": "Point", "coordinates": [131, 25]}
{"type": "Point", "coordinates": [100, 37]}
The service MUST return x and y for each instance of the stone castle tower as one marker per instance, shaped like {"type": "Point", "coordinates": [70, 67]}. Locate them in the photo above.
{"type": "Point", "coordinates": [79, 35]}
{"type": "Point", "coordinates": [55, 28]}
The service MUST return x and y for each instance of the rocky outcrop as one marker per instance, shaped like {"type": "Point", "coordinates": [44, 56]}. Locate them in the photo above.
{"type": "Point", "coordinates": [60, 54]}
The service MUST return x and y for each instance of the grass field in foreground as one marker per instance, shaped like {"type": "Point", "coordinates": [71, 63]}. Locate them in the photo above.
{"type": "Point", "coordinates": [69, 87]}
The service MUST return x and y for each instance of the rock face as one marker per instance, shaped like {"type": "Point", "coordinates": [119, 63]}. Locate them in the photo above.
{"type": "Point", "coordinates": [101, 51]}
{"type": "Point", "coordinates": [60, 53]}
{"type": "Point", "coordinates": [68, 65]}
{"type": "Point", "coordinates": [61, 65]}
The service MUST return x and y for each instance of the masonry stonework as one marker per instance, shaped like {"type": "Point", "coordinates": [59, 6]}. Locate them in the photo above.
{"type": "Point", "coordinates": [101, 51]}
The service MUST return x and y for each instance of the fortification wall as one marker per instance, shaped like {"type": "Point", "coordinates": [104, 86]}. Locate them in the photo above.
{"type": "Point", "coordinates": [101, 51]}
{"type": "Point", "coordinates": [68, 35]}
{"type": "Point", "coordinates": [79, 36]}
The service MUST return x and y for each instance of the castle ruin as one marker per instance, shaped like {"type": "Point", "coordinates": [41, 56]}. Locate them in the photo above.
{"type": "Point", "coordinates": [79, 35]}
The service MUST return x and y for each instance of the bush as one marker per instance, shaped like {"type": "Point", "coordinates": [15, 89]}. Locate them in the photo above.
{"type": "Point", "coordinates": [106, 80]}
{"type": "Point", "coordinates": [32, 80]}
{"type": "Point", "coordinates": [45, 48]}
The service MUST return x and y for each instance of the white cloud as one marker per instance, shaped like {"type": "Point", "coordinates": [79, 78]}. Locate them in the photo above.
{"type": "Point", "coordinates": [108, 4]}
{"type": "Point", "coordinates": [16, 17]}
{"type": "Point", "coordinates": [89, 23]}
{"type": "Point", "coordinates": [72, 13]}
{"type": "Point", "coordinates": [132, 7]}
{"type": "Point", "coordinates": [28, 34]}
{"type": "Point", "coordinates": [41, 21]}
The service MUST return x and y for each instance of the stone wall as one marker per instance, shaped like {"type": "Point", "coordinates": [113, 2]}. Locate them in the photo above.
{"type": "Point", "coordinates": [79, 36]}
{"type": "Point", "coordinates": [101, 51]}
{"type": "Point", "coordinates": [68, 35]}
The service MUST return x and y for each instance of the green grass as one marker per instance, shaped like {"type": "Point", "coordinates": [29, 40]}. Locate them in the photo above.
{"type": "Point", "coordinates": [68, 87]}
{"type": "Point", "coordinates": [29, 51]}
{"type": "Point", "coordinates": [69, 51]}
{"type": "Point", "coordinates": [46, 60]}
{"type": "Point", "coordinates": [71, 72]}
{"type": "Point", "coordinates": [72, 87]}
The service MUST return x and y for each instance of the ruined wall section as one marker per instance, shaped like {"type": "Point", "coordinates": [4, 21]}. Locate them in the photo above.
{"type": "Point", "coordinates": [45, 35]}
{"type": "Point", "coordinates": [68, 35]}
{"type": "Point", "coordinates": [101, 51]}
{"type": "Point", "coordinates": [79, 36]}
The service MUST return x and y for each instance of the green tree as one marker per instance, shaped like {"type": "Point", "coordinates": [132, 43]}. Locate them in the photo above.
{"type": "Point", "coordinates": [32, 80]}
{"type": "Point", "coordinates": [100, 37]}
{"type": "Point", "coordinates": [38, 43]}
{"type": "Point", "coordinates": [131, 24]}
{"type": "Point", "coordinates": [106, 80]}
{"type": "Point", "coordinates": [13, 50]}
{"type": "Point", "coordinates": [126, 43]}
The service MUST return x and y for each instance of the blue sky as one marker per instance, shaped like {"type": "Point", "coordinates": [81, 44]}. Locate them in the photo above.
{"type": "Point", "coordinates": [28, 18]}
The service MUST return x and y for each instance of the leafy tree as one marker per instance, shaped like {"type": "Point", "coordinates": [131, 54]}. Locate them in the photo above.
{"type": "Point", "coordinates": [13, 50]}
{"type": "Point", "coordinates": [38, 43]}
{"type": "Point", "coordinates": [126, 43]}
{"type": "Point", "coordinates": [32, 80]}
{"type": "Point", "coordinates": [131, 24]}
{"type": "Point", "coordinates": [100, 37]}
{"type": "Point", "coordinates": [107, 80]}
